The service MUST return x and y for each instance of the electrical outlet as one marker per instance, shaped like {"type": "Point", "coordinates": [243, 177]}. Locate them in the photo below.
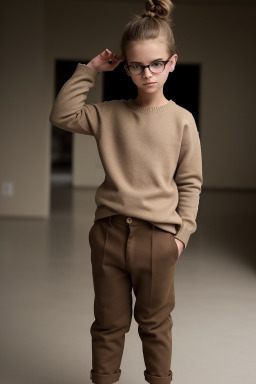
{"type": "Point", "coordinates": [7, 188]}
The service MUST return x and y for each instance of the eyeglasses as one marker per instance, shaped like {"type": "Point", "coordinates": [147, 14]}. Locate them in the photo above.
{"type": "Point", "coordinates": [138, 69]}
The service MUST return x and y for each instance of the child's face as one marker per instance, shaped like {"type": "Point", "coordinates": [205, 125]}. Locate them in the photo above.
{"type": "Point", "coordinates": [146, 52]}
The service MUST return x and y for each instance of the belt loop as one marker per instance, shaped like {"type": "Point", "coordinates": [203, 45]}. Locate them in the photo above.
{"type": "Point", "coordinates": [109, 221]}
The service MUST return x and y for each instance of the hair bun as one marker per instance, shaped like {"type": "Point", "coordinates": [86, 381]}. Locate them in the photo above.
{"type": "Point", "coordinates": [160, 9]}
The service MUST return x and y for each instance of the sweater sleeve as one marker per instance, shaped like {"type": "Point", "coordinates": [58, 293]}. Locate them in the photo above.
{"type": "Point", "coordinates": [189, 179]}
{"type": "Point", "coordinates": [69, 111]}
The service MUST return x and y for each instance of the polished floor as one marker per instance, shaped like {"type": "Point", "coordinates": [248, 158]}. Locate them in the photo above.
{"type": "Point", "coordinates": [47, 296]}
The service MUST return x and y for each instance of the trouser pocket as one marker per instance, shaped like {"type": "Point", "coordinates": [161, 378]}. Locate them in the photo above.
{"type": "Point", "coordinates": [169, 238]}
{"type": "Point", "coordinates": [174, 244]}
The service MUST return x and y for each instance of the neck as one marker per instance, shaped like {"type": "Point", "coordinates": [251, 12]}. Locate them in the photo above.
{"type": "Point", "coordinates": [148, 100]}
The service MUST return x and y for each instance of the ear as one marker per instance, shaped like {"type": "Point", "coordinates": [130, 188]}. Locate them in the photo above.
{"type": "Point", "coordinates": [173, 61]}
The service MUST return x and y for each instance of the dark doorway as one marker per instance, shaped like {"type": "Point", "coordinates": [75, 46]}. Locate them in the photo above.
{"type": "Point", "coordinates": [182, 86]}
{"type": "Point", "coordinates": [61, 148]}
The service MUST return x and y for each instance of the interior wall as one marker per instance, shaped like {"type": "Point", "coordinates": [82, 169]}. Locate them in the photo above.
{"type": "Point", "coordinates": [25, 131]}
{"type": "Point", "coordinates": [222, 38]}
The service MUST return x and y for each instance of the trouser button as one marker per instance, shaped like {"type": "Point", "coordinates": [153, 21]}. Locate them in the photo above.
{"type": "Point", "coordinates": [129, 220]}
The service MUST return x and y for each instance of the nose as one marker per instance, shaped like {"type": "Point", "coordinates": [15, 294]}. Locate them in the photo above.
{"type": "Point", "coordinates": [147, 72]}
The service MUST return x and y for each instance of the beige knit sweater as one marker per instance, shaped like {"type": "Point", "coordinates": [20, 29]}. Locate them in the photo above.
{"type": "Point", "coordinates": [151, 155]}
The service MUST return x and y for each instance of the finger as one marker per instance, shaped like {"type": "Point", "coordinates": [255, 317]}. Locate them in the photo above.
{"type": "Point", "coordinates": [109, 55]}
{"type": "Point", "coordinates": [115, 59]}
{"type": "Point", "coordinates": [112, 58]}
{"type": "Point", "coordinates": [105, 54]}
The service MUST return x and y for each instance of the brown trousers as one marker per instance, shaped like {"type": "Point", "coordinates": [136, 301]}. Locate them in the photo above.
{"type": "Point", "coordinates": [128, 253]}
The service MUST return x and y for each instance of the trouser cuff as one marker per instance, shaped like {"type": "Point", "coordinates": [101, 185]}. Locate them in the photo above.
{"type": "Point", "coordinates": [104, 379]}
{"type": "Point", "coordinates": [157, 379]}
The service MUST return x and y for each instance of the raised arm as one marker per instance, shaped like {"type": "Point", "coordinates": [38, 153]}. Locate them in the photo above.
{"type": "Point", "coordinates": [69, 111]}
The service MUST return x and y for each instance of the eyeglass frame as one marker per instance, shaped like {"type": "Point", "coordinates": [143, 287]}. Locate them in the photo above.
{"type": "Point", "coordinates": [147, 66]}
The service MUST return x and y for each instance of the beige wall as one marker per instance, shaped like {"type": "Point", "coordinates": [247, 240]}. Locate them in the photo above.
{"type": "Point", "coordinates": [220, 38]}
{"type": "Point", "coordinates": [25, 133]}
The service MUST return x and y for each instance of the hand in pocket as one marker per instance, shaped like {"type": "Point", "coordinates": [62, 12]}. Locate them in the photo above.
{"type": "Point", "coordinates": [180, 245]}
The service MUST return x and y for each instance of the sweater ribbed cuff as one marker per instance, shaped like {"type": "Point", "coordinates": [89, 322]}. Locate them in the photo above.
{"type": "Point", "coordinates": [183, 235]}
{"type": "Point", "coordinates": [86, 68]}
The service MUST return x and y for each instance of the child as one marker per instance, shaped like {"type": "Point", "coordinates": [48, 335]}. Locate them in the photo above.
{"type": "Point", "coordinates": [147, 204]}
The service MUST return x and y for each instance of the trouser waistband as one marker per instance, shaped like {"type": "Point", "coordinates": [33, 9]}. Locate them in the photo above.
{"type": "Point", "coordinates": [126, 220]}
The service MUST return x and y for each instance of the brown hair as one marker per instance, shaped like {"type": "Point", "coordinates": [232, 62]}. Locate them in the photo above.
{"type": "Point", "coordinates": [154, 22]}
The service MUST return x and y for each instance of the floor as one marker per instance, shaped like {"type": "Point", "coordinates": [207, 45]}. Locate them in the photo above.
{"type": "Point", "coordinates": [46, 295]}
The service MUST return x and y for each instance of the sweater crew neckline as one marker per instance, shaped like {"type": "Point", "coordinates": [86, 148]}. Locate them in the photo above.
{"type": "Point", "coordinates": [151, 108]}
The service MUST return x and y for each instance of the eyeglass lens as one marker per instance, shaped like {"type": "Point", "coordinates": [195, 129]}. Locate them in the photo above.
{"type": "Point", "coordinates": [156, 67]}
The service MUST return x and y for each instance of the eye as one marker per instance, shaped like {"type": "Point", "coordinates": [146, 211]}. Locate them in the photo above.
{"type": "Point", "coordinates": [156, 64]}
{"type": "Point", "coordinates": [135, 66]}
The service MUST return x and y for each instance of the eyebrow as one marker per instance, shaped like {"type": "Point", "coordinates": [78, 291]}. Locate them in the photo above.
{"type": "Point", "coordinates": [137, 62]}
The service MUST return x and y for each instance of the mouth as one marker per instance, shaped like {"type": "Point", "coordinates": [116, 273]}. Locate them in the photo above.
{"type": "Point", "coordinates": [149, 83]}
